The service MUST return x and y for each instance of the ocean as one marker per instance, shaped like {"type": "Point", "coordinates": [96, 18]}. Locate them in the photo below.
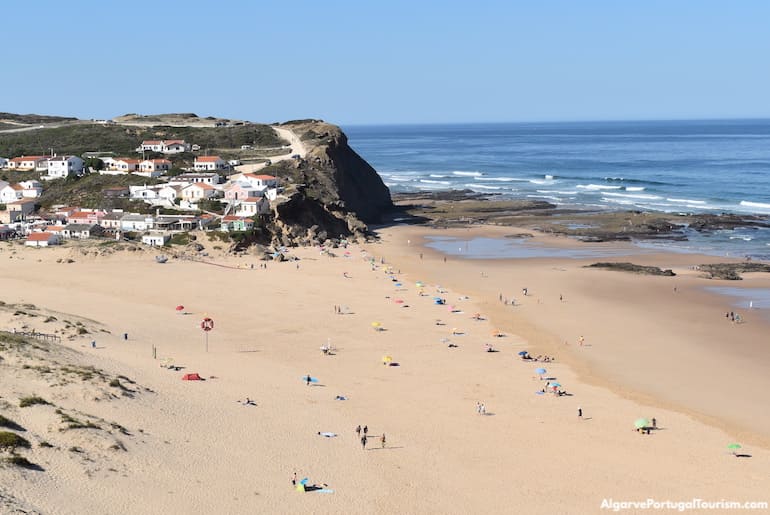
{"type": "Point", "coordinates": [669, 166]}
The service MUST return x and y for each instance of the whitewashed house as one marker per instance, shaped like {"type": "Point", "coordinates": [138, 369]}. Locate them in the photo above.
{"type": "Point", "coordinates": [4, 162]}
{"type": "Point", "coordinates": [10, 193]}
{"type": "Point", "coordinates": [185, 179]}
{"type": "Point", "coordinates": [29, 163]}
{"type": "Point", "coordinates": [126, 165]}
{"type": "Point", "coordinates": [155, 239]}
{"type": "Point", "coordinates": [62, 167]}
{"type": "Point", "coordinates": [209, 163]}
{"type": "Point", "coordinates": [131, 222]}
{"type": "Point", "coordinates": [170, 193]}
{"type": "Point", "coordinates": [42, 239]}
{"type": "Point", "coordinates": [154, 167]}
{"type": "Point", "coordinates": [172, 146]}
{"type": "Point", "coordinates": [82, 231]}
{"type": "Point", "coordinates": [31, 188]}
{"type": "Point", "coordinates": [143, 192]}
{"type": "Point", "coordinates": [252, 206]}
{"type": "Point", "coordinates": [198, 191]}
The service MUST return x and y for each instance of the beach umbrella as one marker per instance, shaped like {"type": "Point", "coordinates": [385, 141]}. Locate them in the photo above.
{"type": "Point", "coordinates": [641, 422]}
{"type": "Point", "coordinates": [540, 371]}
{"type": "Point", "coordinates": [555, 385]}
{"type": "Point", "coordinates": [523, 353]}
{"type": "Point", "coordinates": [734, 446]}
{"type": "Point", "coordinates": [398, 301]}
{"type": "Point", "coordinates": [419, 284]}
{"type": "Point", "coordinates": [398, 284]}
{"type": "Point", "coordinates": [376, 325]}
{"type": "Point", "coordinates": [180, 308]}
{"type": "Point", "coordinates": [387, 359]}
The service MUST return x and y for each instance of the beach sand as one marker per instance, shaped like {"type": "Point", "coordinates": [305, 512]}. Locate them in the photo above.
{"type": "Point", "coordinates": [648, 352]}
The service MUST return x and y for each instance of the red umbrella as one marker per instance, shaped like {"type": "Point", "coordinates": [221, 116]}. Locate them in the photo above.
{"type": "Point", "coordinates": [180, 308]}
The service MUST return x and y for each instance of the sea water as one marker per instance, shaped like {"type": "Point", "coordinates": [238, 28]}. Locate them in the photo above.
{"type": "Point", "coordinates": [671, 167]}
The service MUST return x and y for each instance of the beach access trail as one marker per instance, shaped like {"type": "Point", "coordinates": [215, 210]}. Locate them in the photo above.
{"type": "Point", "coordinates": [199, 448]}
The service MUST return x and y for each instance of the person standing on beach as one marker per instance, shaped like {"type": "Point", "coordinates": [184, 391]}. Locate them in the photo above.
{"type": "Point", "coordinates": [366, 431]}
{"type": "Point", "coordinates": [308, 379]}
{"type": "Point", "coordinates": [363, 442]}
{"type": "Point", "coordinates": [358, 430]}
{"type": "Point", "coordinates": [581, 340]}
{"type": "Point", "coordinates": [580, 412]}
{"type": "Point", "coordinates": [654, 423]}
{"type": "Point", "coordinates": [294, 478]}
{"type": "Point", "coordinates": [382, 440]}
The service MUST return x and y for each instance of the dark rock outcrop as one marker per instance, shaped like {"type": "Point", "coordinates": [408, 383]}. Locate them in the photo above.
{"type": "Point", "coordinates": [331, 193]}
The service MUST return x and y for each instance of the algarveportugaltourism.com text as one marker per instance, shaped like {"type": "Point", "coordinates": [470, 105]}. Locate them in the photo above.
{"type": "Point", "coordinates": [693, 504]}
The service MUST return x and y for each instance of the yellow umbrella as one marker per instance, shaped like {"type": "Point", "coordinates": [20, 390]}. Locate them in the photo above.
{"type": "Point", "coordinates": [386, 359]}
{"type": "Point", "coordinates": [377, 326]}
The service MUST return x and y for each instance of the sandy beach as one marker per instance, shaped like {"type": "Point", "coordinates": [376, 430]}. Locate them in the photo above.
{"type": "Point", "coordinates": [648, 351]}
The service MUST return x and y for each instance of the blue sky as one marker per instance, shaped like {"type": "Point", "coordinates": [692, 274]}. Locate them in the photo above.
{"type": "Point", "coordinates": [358, 62]}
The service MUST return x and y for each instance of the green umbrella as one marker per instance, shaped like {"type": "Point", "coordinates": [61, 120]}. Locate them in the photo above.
{"type": "Point", "coordinates": [734, 446]}
{"type": "Point", "coordinates": [641, 422]}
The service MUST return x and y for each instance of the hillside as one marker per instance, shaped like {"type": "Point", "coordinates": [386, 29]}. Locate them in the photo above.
{"type": "Point", "coordinates": [329, 191]}
{"type": "Point", "coordinates": [82, 137]}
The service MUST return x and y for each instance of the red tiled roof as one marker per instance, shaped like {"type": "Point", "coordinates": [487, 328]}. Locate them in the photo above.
{"type": "Point", "coordinates": [27, 158]}
{"type": "Point", "coordinates": [39, 236]}
{"type": "Point", "coordinates": [129, 161]}
{"type": "Point", "coordinates": [207, 159]}
{"type": "Point", "coordinates": [265, 177]}
{"type": "Point", "coordinates": [252, 199]}
{"type": "Point", "coordinates": [151, 142]}
{"type": "Point", "coordinates": [231, 218]}
{"type": "Point", "coordinates": [174, 142]}
{"type": "Point", "coordinates": [202, 185]}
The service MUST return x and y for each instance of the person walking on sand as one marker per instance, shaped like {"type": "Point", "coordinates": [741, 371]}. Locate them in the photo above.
{"type": "Point", "coordinates": [363, 442]}
{"type": "Point", "coordinates": [308, 379]}
{"type": "Point", "coordinates": [654, 423]}
{"type": "Point", "coordinates": [358, 430]}
{"type": "Point", "coordinates": [294, 478]}
{"type": "Point", "coordinates": [580, 412]}
{"type": "Point", "coordinates": [366, 431]}
{"type": "Point", "coordinates": [382, 440]}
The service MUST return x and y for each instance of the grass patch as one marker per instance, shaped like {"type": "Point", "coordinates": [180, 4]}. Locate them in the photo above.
{"type": "Point", "coordinates": [25, 402]}
{"type": "Point", "coordinates": [181, 238]}
{"type": "Point", "coordinates": [10, 424]}
{"type": "Point", "coordinates": [74, 423]}
{"type": "Point", "coordinates": [12, 441]}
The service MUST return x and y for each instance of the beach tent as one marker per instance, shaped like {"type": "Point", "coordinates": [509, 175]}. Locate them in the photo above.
{"type": "Point", "coordinates": [192, 377]}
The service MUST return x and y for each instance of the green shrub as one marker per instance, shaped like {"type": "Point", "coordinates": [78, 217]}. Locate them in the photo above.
{"type": "Point", "coordinates": [31, 401]}
{"type": "Point", "coordinates": [12, 441]}
{"type": "Point", "coordinates": [181, 238]}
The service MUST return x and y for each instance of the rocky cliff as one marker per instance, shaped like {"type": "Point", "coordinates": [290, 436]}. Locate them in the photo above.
{"type": "Point", "coordinates": [331, 191]}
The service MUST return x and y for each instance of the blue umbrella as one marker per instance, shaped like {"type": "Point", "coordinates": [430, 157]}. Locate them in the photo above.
{"type": "Point", "coordinates": [523, 353]}
{"type": "Point", "coordinates": [540, 371]}
{"type": "Point", "coordinates": [555, 385]}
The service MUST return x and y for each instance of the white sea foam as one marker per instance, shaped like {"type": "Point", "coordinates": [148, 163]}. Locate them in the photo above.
{"type": "Point", "coordinates": [597, 187]}
{"type": "Point", "coordinates": [402, 179]}
{"type": "Point", "coordinates": [632, 195]}
{"type": "Point", "coordinates": [744, 238]}
{"type": "Point", "coordinates": [634, 188]}
{"type": "Point", "coordinates": [467, 174]}
{"type": "Point", "coordinates": [500, 179]}
{"type": "Point", "coordinates": [439, 176]}
{"type": "Point", "coordinates": [482, 186]}
{"type": "Point", "coordinates": [686, 201]}
{"type": "Point", "coordinates": [541, 181]}
{"type": "Point", "coordinates": [550, 177]}
{"type": "Point", "coordinates": [760, 205]}
{"type": "Point", "coordinates": [428, 181]}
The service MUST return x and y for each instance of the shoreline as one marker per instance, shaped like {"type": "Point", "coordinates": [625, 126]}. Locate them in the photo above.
{"type": "Point", "coordinates": [591, 371]}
